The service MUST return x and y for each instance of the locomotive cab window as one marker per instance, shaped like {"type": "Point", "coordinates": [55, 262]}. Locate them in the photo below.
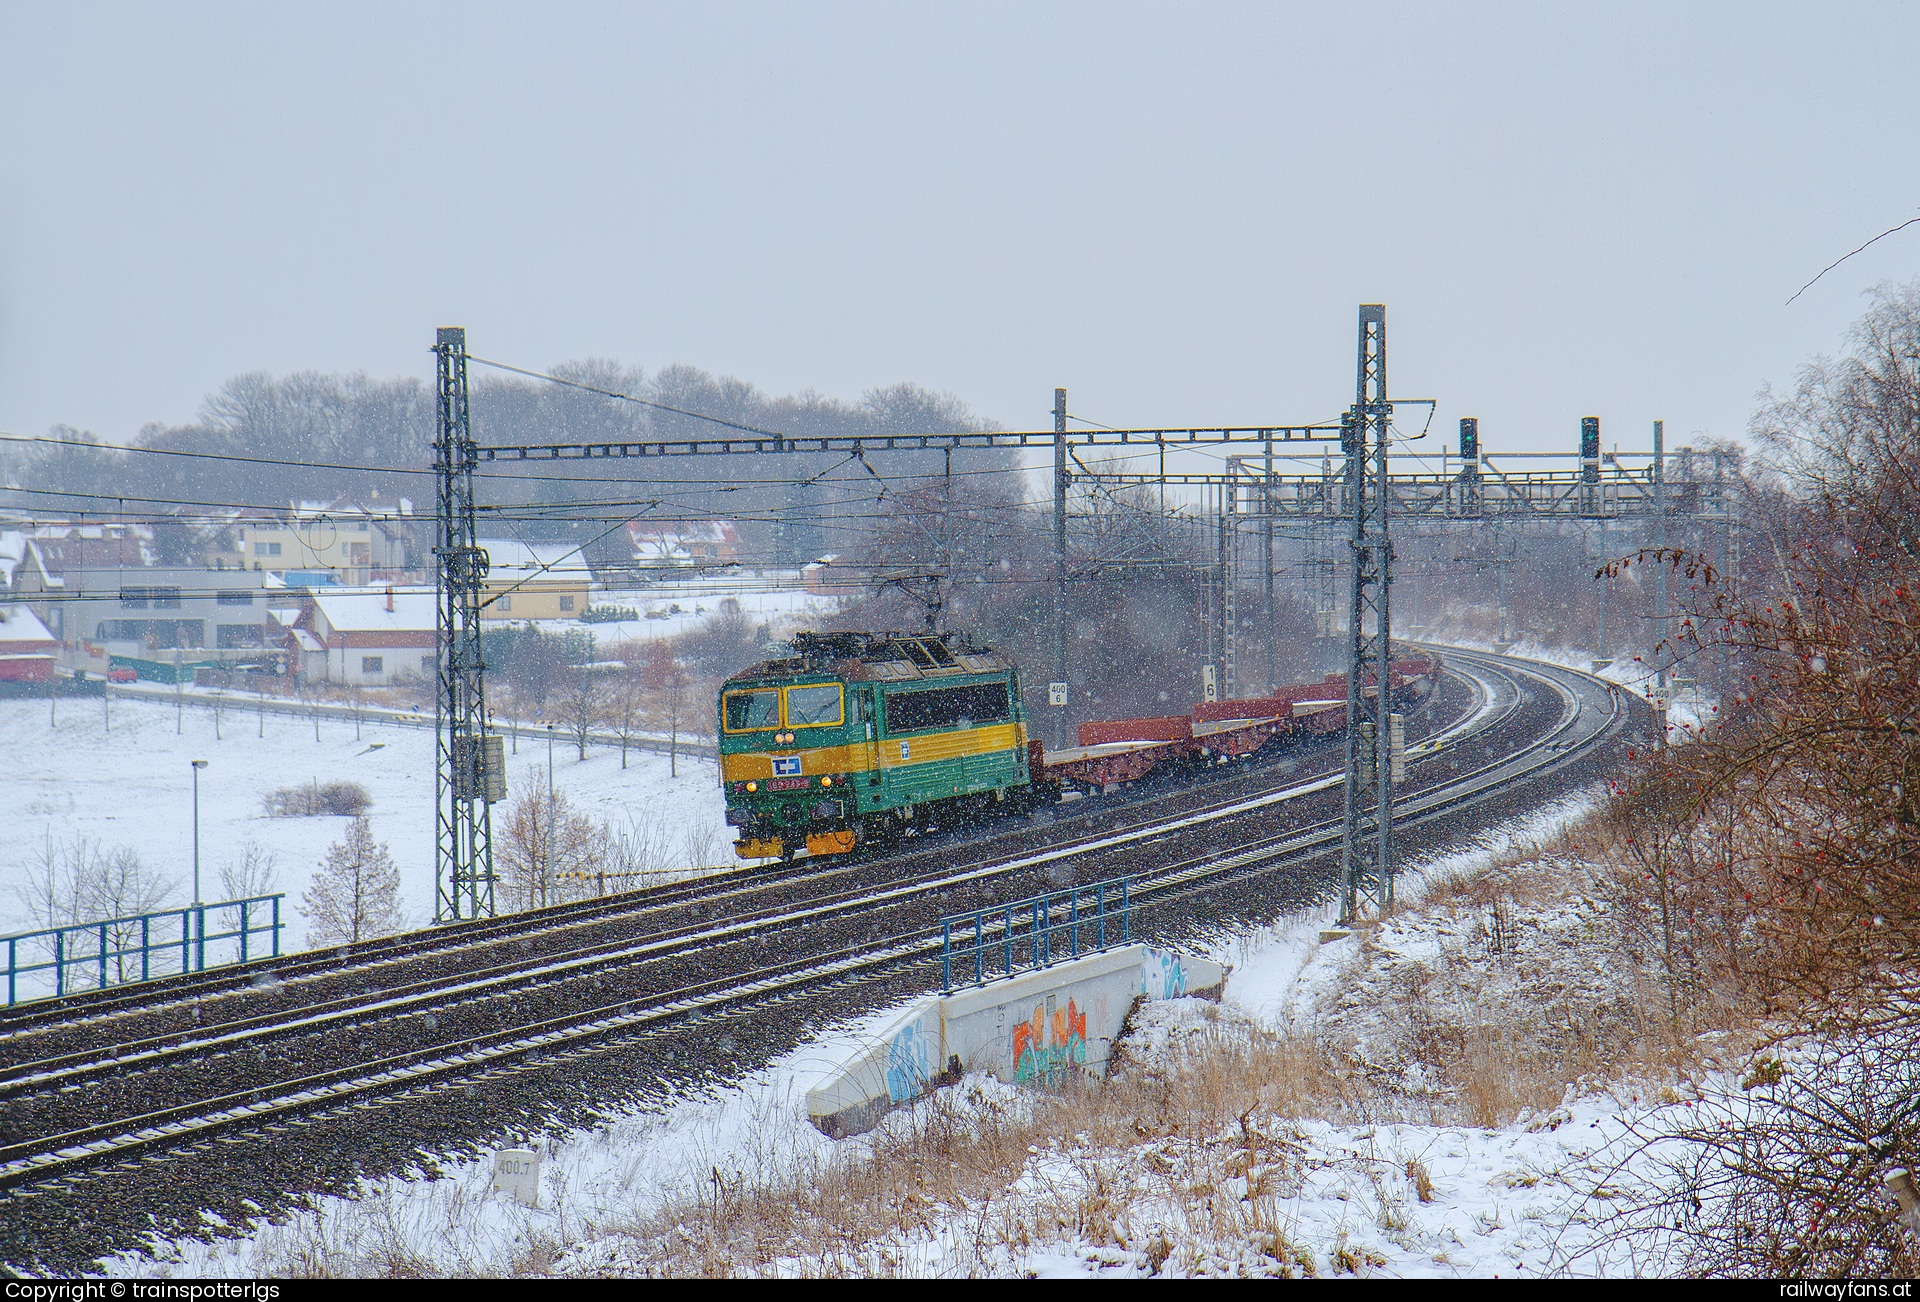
{"type": "Point", "coordinates": [817, 706]}
{"type": "Point", "coordinates": [755, 710]}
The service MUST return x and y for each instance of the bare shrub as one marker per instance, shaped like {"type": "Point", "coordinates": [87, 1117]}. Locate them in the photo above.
{"type": "Point", "coordinates": [1783, 1176]}
{"type": "Point", "coordinates": [337, 799]}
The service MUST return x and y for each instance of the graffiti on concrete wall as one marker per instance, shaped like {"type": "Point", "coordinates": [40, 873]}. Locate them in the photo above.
{"type": "Point", "coordinates": [1162, 976]}
{"type": "Point", "coordinates": [1044, 1048]}
{"type": "Point", "coordinates": [909, 1063]}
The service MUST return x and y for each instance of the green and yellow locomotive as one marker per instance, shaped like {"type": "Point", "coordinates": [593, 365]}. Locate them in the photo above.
{"type": "Point", "coordinates": [859, 736]}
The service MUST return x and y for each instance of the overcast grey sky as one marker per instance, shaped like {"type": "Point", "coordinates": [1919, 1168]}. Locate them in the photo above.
{"type": "Point", "coordinates": [1170, 209]}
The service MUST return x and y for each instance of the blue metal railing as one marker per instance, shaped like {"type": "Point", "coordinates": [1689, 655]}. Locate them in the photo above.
{"type": "Point", "coordinates": [1036, 932]}
{"type": "Point", "coordinates": [95, 955]}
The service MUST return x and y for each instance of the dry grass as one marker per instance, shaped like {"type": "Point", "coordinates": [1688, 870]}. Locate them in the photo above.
{"type": "Point", "coordinates": [1203, 1131]}
{"type": "Point", "coordinates": [1488, 997]}
{"type": "Point", "coordinates": [1187, 1131]}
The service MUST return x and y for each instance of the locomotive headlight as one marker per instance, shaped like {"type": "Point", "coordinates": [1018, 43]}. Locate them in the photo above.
{"type": "Point", "coordinates": [826, 782]}
{"type": "Point", "coordinates": [753, 786]}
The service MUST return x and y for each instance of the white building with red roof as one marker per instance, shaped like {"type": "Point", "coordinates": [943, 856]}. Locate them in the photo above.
{"type": "Point", "coordinates": [28, 651]}
{"type": "Point", "coordinates": [368, 637]}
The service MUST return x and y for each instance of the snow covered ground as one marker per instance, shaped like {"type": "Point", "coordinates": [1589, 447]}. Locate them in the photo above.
{"type": "Point", "coordinates": [1268, 1195]}
{"type": "Point", "coordinates": [126, 781]}
{"type": "Point", "coordinates": [673, 607]}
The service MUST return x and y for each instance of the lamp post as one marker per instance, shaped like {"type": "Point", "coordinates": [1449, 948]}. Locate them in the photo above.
{"type": "Point", "coordinates": [199, 914]}
{"type": "Point", "coordinates": [197, 766]}
{"type": "Point", "coordinates": [549, 884]}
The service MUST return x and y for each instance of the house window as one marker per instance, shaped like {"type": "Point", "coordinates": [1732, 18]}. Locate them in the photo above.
{"type": "Point", "coordinates": [158, 598]}
{"type": "Point", "coordinates": [134, 598]}
{"type": "Point", "coordinates": [372, 664]}
{"type": "Point", "coordinates": [566, 603]}
{"type": "Point", "coordinates": [266, 549]}
{"type": "Point", "coordinates": [235, 599]}
{"type": "Point", "coordinates": [505, 603]}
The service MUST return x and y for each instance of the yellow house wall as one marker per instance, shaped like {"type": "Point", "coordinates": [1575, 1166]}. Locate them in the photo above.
{"type": "Point", "coordinates": [535, 601]}
{"type": "Point", "coordinates": [344, 548]}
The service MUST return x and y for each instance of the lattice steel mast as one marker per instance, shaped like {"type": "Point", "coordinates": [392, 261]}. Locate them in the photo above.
{"type": "Point", "coordinates": [1366, 845]}
{"type": "Point", "coordinates": [469, 772]}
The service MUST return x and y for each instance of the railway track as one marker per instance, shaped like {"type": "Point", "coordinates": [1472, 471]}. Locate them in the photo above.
{"type": "Point", "coordinates": [105, 1086]}
{"type": "Point", "coordinates": [179, 1002]}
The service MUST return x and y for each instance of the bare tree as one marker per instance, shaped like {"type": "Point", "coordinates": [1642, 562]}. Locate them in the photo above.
{"type": "Point", "coordinates": [83, 882]}
{"type": "Point", "coordinates": [49, 887]}
{"type": "Point", "coordinates": [255, 873]}
{"type": "Point", "coordinates": [582, 698]}
{"type": "Point", "coordinates": [356, 894]}
{"type": "Point", "coordinates": [117, 884]}
{"type": "Point", "coordinates": [627, 699]}
{"type": "Point", "coordinates": [673, 698]}
{"type": "Point", "coordinates": [548, 852]}
{"type": "Point", "coordinates": [311, 698]}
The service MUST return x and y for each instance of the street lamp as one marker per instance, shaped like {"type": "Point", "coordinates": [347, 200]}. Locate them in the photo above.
{"type": "Point", "coordinates": [199, 914]}
{"type": "Point", "coordinates": [197, 766]}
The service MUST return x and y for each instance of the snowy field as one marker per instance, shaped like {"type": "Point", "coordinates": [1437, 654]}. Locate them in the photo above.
{"type": "Point", "coordinates": [783, 608]}
{"type": "Point", "coordinates": [131, 785]}
{"type": "Point", "coordinates": [1528, 1198]}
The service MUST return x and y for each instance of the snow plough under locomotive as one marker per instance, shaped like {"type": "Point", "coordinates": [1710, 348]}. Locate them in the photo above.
{"type": "Point", "coordinates": [856, 738]}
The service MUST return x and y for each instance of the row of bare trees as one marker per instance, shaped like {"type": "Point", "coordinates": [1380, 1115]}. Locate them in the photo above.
{"type": "Point", "coordinates": [1771, 867]}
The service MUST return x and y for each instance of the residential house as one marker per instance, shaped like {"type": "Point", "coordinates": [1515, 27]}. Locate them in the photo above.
{"type": "Point", "coordinates": [535, 581]}
{"type": "Point", "coordinates": [355, 544]}
{"type": "Point", "coordinates": [684, 542]}
{"type": "Point", "coordinates": [165, 614]}
{"type": "Point", "coordinates": [370, 637]}
{"type": "Point", "coordinates": [28, 651]}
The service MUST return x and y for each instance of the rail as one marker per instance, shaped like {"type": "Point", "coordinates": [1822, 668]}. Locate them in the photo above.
{"type": "Point", "coordinates": [107, 950]}
{"type": "Point", "coordinates": [1044, 918]}
{"type": "Point", "coordinates": [578, 1031]}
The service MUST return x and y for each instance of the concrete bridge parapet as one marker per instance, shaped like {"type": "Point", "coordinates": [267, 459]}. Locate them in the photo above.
{"type": "Point", "coordinates": [1040, 1026]}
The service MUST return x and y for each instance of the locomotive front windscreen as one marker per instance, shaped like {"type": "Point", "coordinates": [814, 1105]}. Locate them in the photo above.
{"type": "Point", "coordinates": [817, 706]}
{"type": "Point", "coordinates": [948, 707]}
{"type": "Point", "coordinates": [753, 711]}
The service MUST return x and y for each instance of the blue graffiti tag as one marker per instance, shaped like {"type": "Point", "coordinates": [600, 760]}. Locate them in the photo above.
{"type": "Point", "coordinates": [908, 1059]}
{"type": "Point", "coordinates": [1172, 977]}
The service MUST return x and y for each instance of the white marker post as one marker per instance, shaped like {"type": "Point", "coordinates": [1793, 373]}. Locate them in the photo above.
{"type": "Point", "coordinates": [516, 1172]}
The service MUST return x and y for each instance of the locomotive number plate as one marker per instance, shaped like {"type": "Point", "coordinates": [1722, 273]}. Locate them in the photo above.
{"type": "Point", "coordinates": [786, 784]}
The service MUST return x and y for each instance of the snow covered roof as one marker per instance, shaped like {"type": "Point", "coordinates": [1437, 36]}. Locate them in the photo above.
{"type": "Point", "coordinates": [364, 610]}
{"type": "Point", "coordinates": [558, 562]}
{"type": "Point", "coordinates": [18, 624]}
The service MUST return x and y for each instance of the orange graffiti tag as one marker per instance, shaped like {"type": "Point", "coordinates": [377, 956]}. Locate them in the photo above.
{"type": "Point", "coordinates": [1068, 1024]}
{"type": "Point", "coordinates": [1031, 1034]}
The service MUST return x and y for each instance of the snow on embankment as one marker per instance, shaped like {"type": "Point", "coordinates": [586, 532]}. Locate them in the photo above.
{"type": "Point", "coordinates": [1462, 1090]}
